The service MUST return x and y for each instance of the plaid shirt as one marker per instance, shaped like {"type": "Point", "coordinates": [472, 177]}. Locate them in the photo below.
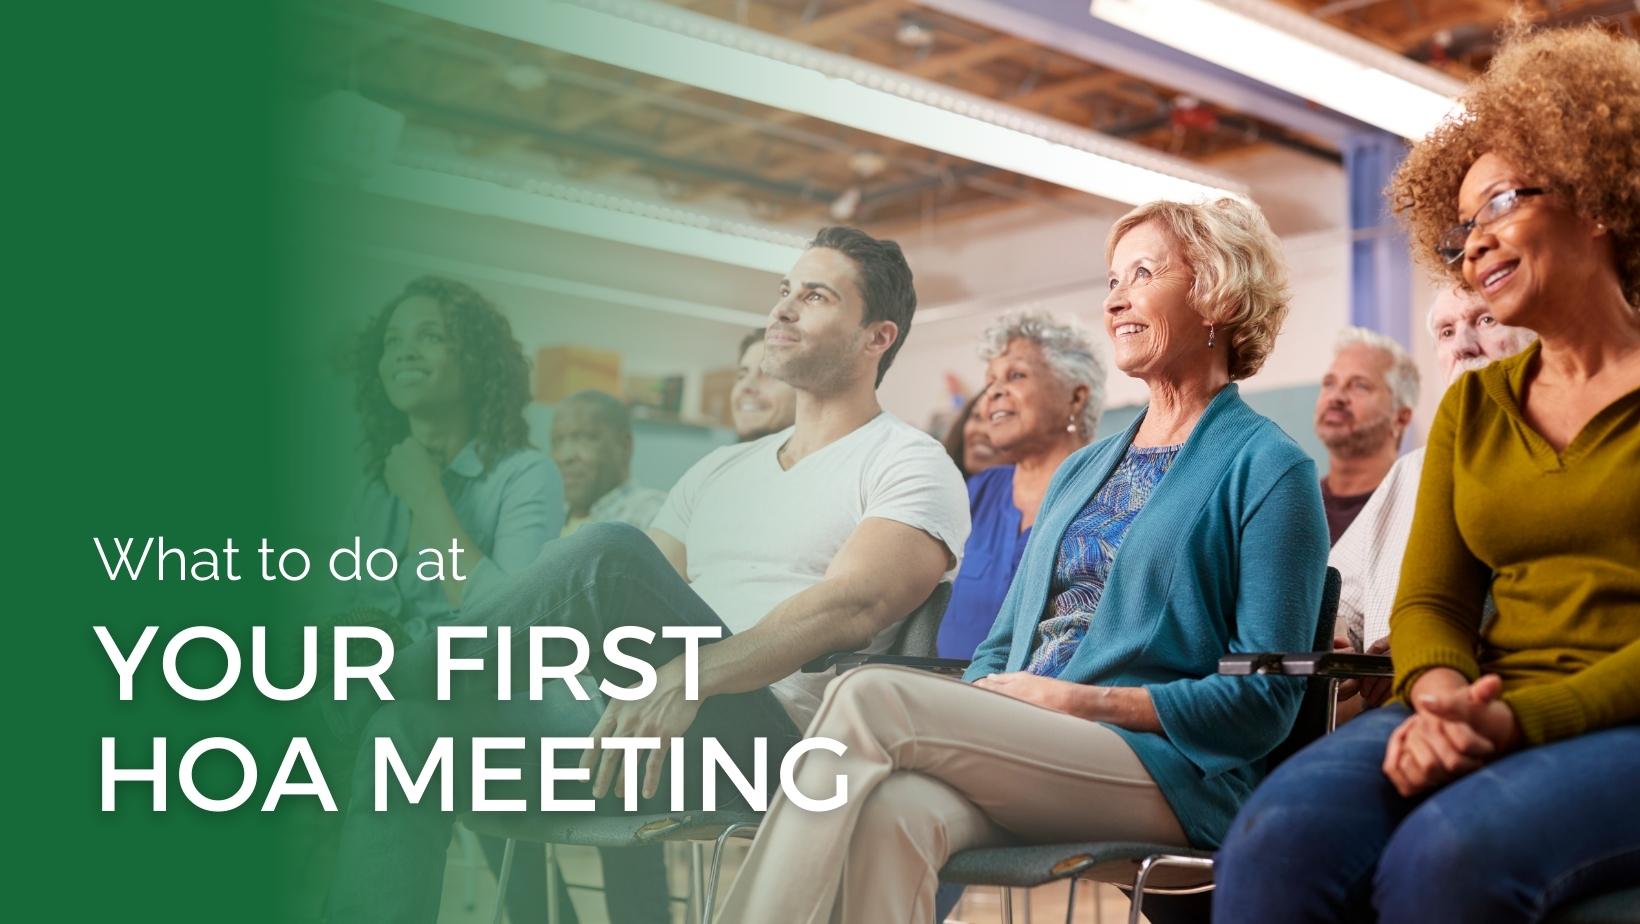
{"type": "Point", "coordinates": [626, 504]}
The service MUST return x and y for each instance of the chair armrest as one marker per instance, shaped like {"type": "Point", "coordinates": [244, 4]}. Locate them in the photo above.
{"type": "Point", "coordinates": [1340, 664]}
{"type": "Point", "coordinates": [848, 660]}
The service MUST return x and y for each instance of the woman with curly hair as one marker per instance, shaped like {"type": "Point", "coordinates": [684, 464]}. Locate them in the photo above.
{"type": "Point", "coordinates": [441, 385]}
{"type": "Point", "coordinates": [1499, 783]}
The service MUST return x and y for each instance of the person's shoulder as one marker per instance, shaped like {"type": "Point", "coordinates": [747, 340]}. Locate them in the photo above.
{"type": "Point", "coordinates": [891, 440]}
{"type": "Point", "coordinates": [1505, 371]}
{"type": "Point", "coordinates": [525, 462]}
{"type": "Point", "coordinates": [996, 480]}
{"type": "Point", "coordinates": [641, 494]}
{"type": "Point", "coordinates": [1407, 468]}
{"type": "Point", "coordinates": [734, 454]}
{"type": "Point", "coordinates": [1496, 383]}
{"type": "Point", "coordinates": [1268, 444]}
{"type": "Point", "coordinates": [521, 458]}
{"type": "Point", "coordinates": [889, 429]}
{"type": "Point", "coordinates": [894, 449]}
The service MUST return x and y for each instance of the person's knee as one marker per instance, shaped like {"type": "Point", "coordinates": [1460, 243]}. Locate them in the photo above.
{"type": "Point", "coordinates": [1304, 838]}
{"type": "Point", "coordinates": [871, 685]}
{"type": "Point", "coordinates": [1440, 868]}
{"type": "Point", "coordinates": [601, 542]}
{"type": "Point", "coordinates": [915, 812]}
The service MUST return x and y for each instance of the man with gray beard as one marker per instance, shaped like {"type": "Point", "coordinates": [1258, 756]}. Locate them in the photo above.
{"type": "Point", "coordinates": [1368, 555]}
{"type": "Point", "coordinates": [1364, 407]}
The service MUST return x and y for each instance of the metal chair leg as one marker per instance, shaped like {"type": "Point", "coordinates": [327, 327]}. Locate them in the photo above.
{"type": "Point", "coordinates": [1070, 903]}
{"type": "Point", "coordinates": [472, 857]}
{"type": "Point", "coordinates": [504, 880]}
{"type": "Point", "coordinates": [1332, 704]}
{"type": "Point", "coordinates": [696, 911]}
{"type": "Point", "coordinates": [717, 867]}
{"type": "Point", "coordinates": [1007, 905]}
{"type": "Point", "coordinates": [553, 876]}
{"type": "Point", "coordinates": [1150, 864]}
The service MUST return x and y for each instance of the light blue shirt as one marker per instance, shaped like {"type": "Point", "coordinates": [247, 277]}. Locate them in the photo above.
{"type": "Point", "coordinates": [508, 511]}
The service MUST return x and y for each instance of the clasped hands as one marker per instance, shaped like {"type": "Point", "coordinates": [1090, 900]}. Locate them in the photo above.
{"type": "Point", "coordinates": [1456, 727]}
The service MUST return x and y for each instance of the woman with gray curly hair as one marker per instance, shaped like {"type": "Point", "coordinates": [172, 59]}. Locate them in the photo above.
{"type": "Point", "coordinates": [1044, 388]}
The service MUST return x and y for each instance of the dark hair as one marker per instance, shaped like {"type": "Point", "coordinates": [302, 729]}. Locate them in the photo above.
{"type": "Point", "coordinates": [956, 441]}
{"type": "Point", "coordinates": [885, 282]}
{"type": "Point", "coordinates": [606, 407]}
{"type": "Point", "coordinates": [494, 374]}
{"type": "Point", "coordinates": [746, 342]}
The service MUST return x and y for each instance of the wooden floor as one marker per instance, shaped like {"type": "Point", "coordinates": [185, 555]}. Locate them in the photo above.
{"type": "Point", "coordinates": [469, 892]}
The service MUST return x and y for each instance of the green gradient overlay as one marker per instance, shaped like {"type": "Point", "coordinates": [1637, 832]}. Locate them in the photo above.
{"type": "Point", "coordinates": [191, 274]}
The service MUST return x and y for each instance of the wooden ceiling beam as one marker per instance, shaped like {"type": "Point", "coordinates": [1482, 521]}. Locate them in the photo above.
{"type": "Point", "coordinates": [821, 29]}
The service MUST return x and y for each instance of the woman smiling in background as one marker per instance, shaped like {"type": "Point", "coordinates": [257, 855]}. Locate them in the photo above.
{"type": "Point", "coordinates": [1044, 388]}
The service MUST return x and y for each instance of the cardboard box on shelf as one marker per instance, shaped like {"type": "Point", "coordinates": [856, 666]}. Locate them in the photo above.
{"type": "Point", "coordinates": [561, 371]}
{"type": "Point", "coordinates": [714, 396]}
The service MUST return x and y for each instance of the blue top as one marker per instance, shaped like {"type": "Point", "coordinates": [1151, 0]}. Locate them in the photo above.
{"type": "Point", "coordinates": [1087, 552]}
{"type": "Point", "coordinates": [506, 509]}
{"type": "Point", "coordinates": [1228, 555]}
{"type": "Point", "coordinates": [989, 560]}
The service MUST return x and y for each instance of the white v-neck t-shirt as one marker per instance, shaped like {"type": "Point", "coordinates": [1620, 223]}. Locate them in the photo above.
{"type": "Point", "coordinates": [758, 534]}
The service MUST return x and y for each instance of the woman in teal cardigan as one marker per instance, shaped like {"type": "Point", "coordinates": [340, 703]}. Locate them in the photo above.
{"type": "Point", "coordinates": [1094, 709]}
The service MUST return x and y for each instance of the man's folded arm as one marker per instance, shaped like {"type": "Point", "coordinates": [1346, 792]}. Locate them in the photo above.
{"type": "Point", "coordinates": [885, 570]}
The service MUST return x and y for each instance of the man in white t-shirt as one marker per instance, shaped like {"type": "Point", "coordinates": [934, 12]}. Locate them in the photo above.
{"type": "Point", "coordinates": [819, 538]}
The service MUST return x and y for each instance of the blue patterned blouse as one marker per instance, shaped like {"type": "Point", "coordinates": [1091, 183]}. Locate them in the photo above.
{"type": "Point", "coordinates": [1087, 552]}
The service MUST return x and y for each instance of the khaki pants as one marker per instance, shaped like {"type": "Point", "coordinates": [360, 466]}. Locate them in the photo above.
{"type": "Point", "coordinates": [934, 766]}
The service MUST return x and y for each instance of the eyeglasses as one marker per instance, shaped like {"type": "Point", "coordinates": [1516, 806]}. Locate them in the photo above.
{"type": "Point", "coordinates": [1456, 237]}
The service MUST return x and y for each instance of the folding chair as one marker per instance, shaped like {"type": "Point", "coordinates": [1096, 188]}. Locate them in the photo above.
{"type": "Point", "coordinates": [1143, 868]}
{"type": "Point", "coordinates": [917, 634]}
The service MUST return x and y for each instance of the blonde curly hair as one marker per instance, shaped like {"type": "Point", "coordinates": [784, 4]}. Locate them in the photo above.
{"type": "Point", "coordinates": [1561, 106]}
{"type": "Point", "coordinates": [1241, 275]}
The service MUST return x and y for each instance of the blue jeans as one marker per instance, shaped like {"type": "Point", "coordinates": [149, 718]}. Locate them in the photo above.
{"type": "Point", "coordinates": [390, 865]}
{"type": "Point", "coordinates": [1327, 838]}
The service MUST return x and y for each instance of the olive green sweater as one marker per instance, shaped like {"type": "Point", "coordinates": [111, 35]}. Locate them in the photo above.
{"type": "Point", "coordinates": [1554, 536]}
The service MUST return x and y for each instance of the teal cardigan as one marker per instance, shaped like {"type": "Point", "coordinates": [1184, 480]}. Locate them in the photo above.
{"type": "Point", "coordinates": [1229, 554]}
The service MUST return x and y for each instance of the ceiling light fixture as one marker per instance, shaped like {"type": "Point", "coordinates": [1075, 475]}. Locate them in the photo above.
{"type": "Point", "coordinates": [478, 189]}
{"type": "Point", "coordinates": [1294, 52]}
{"type": "Point", "coordinates": [726, 58]}
{"type": "Point", "coordinates": [912, 33]}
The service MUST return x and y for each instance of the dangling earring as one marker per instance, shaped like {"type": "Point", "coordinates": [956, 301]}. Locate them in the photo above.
{"type": "Point", "coordinates": [1210, 328]}
{"type": "Point", "coordinates": [1071, 427]}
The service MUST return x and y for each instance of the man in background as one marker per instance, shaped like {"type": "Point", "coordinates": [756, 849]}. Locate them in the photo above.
{"type": "Point", "coordinates": [1364, 407]}
{"type": "Point", "coordinates": [592, 447]}
{"type": "Point", "coordinates": [759, 403]}
{"type": "Point", "coordinates": [1368, 555]}
{"type": "Point", "coordinates": [591, 443]}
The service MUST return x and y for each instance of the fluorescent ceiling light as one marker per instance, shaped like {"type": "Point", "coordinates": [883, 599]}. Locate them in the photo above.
{"type": "Point", "coordinates": [1294, 52]}
{"type": "Point", "coordinates": [584, 211]}
{"type": "Point", "coordinates": [732, 60]}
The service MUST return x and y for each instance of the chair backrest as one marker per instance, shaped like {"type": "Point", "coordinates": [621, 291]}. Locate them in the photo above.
{"type": "Point", "coordinates": [920, 631]}
{"type": "Point", "coordinates": [1312, 711]}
